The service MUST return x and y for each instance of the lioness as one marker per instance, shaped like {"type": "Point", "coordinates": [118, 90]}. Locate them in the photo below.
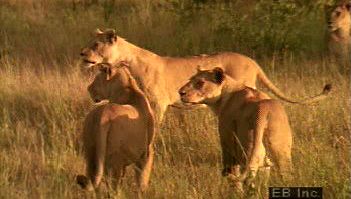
{"type": "Point", "coordinates": [118, 133]}
{"type": "Point", "coordinates": [249, 123]}
{"type": "Point", "coordinates": [161, 77]}
{"type": "Point", "coordinates": [339, 26]}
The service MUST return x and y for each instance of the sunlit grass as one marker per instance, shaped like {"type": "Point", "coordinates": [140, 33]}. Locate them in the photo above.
{"type": "Point", "coordinates": [41, 120]}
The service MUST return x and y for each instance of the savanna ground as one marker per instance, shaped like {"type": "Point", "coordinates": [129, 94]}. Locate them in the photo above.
{"type": "Point", "coordinates": [43, 98]}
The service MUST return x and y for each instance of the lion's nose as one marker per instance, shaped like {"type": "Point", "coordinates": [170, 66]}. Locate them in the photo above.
{"type": "Point", "coordinates": [84, 52]}
{"type": "Point", "coordinates": [182, 93]}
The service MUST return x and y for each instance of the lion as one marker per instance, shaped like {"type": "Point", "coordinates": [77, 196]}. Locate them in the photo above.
{"type": "Point", "coordinates": [339, 26]}
{"type": "Point", "coordinates": [161, 77]}
{"type": "Point", "coordinates": [119, 133]}
{"type": "Point", "coordinates": [253, 128]}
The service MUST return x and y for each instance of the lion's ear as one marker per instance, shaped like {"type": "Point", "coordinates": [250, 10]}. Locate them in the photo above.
{"type": "Point", "coordinates": [123, 64]}
{"type": "Point", "coordinates": [98, 32]}
{"type": "Point", "coordinates": [218, 75]}
{"type": "Point", "coordinates": [106, 68]}
{"type": "Point", "coordinates": [111, 35]}
{"type": "Point", "coordinates": [348, 6]}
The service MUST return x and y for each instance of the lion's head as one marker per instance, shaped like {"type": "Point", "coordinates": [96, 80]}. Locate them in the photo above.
{"type": "Point", "coordinates": [112, 83]}
{"type": "Point", "coordinates": [203, 87]}
{"type": "Point", "coordinates": [102, 49]}
{"type": "Point", "coordinates": [338, 17]}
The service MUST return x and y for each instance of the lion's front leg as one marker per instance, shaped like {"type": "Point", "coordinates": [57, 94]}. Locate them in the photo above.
{"type": "Point", "coordinates": [159, 108]}
{"type": "Point", "coordinates": [227, 142]}
{"type": "Point", "coordinates": [232, 154]}
{"type": "Point", "coordinates": [227, 161]}
{"type": "Point", "coordinates": [234, 177]}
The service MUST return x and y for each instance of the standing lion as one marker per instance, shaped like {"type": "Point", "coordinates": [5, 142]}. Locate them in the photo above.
{"type": "Point", "coordinates": [252, 127]}
{"type": "Point", "coordinates": [119, 133]}
{"type": "Point", "coordinates": [160, 77]}
{"type": "Point", "coordinates": [339, 26]}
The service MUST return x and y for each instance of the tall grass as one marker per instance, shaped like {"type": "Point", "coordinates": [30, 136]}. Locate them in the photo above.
{"type": "Point", "coordinates": [43, 99]}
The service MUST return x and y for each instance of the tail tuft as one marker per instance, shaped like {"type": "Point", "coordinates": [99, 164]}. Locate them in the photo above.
{"type": "Point", "coordinates": [82, 181]}
{"type": "Point", "coordinates": [327, 88]}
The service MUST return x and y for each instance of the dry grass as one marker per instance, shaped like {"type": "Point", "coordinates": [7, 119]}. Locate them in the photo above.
{"type": "Point", "coordinates": [43, 102]}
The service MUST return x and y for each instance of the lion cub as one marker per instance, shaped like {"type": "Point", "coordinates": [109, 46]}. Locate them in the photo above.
{"type": "Point", "coordinates": [119, 133]}
{"type": "Point", "coordinates": [249, 123]}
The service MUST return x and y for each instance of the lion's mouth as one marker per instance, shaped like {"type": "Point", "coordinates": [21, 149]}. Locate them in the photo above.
{"type": "Point", "coordinates": [188, 105]}
{"type": "Point", "coordinates": [88, 61]}
{"type": "Point", "coordinates": [332, 29]}
{"type": "Point", "coordinates": [331, 26]}
{"type": "Point", "coordinates": [97, 100]}
{"type": "Point", "coordinates": [186, 100]}
{"type": "Point", "coordinates": [100, 102]}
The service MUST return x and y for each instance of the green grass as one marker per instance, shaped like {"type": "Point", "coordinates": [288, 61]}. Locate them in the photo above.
{"type": "Point", "coordinates": [43, 99]}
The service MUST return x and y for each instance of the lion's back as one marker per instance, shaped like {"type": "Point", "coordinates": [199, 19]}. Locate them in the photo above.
{"type": "Point", "coordinates": [127, 130]}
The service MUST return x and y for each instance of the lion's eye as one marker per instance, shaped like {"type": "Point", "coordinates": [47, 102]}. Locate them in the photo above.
{"type": "Point", "coordinates": [96, 45]}
{"type": "Point", "coordinates": [199, 84]}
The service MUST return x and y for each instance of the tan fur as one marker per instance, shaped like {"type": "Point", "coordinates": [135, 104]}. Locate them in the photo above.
{"type": "Point", "coordinates": [339, 26]}
{"type": "Point", "coordinates": [118, 133]}
{"type": "Point", "coordinates": [249, 123]}
{"type": "Point", "coordinates": [161, 77]}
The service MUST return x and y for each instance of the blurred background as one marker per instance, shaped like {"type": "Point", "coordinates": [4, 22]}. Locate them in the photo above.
{"type": "Point", "coordinates": [55, 30]}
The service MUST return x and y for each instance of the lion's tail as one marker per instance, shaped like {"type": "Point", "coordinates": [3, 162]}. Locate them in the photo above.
{"type": "Point", "coordinates": [144, 106]}
{"type": "Point", "coordinates": [256, 157]}
{"type": "Point", "coordinates": [100, 153]}
{"type": "Point", "coordinates": [84, 182]}
{"type": "Point", "coordinates": [95, 142]}
{"type": "Point", "coordinates": [265, 81]}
